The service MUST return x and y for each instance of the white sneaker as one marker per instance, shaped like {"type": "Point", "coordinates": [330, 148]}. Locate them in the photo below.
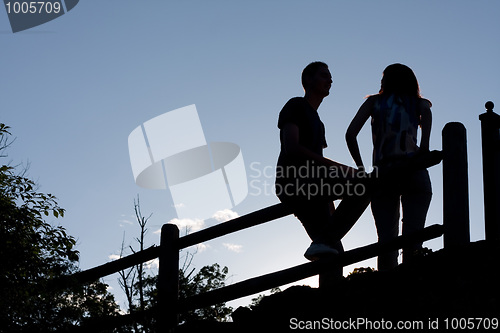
{"type": "Point", "coordinates": [318, 250]}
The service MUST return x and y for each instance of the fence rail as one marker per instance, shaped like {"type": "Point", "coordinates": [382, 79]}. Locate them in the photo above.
{"type": "Point", "coordinates": [118, 265]}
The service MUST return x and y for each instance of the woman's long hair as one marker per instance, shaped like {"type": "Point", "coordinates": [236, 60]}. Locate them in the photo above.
{"type": "Point", "coordinates": [399, 79]}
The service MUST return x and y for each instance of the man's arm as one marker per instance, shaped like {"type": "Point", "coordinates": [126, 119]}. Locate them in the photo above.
{"type": "Point", "coordinates": [294, 148]}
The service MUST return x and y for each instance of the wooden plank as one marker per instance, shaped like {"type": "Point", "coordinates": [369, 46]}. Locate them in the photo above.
{"type": "Point", "coordinates": [112, 267]}
{"type": "Point", "coordinates": [490, 140]}
{"type": "Point", "coordinates": [455, 186]}
{"type": "Point", "coordinates": [168, 278]}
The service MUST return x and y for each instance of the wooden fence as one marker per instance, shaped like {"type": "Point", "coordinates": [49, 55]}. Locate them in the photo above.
{"type": "Point", "coordinates": [455, 229]}
{"type": "Point", "coordinates": [490, 133]}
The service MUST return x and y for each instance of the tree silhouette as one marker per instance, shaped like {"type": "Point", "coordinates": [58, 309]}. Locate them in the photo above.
{"type": "Point", "coordinates": [34, 253]}
{"type": "Point", "coordinates": [140, 287]}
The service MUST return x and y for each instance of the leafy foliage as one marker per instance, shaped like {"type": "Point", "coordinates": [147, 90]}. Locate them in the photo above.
{"type": "Point", "coordinates": [361, 270]}
{"type": "Point", "coordinates": [35, 253]}
{"type": "Point", "coordinates": [256, 300]}
{"type": "Point", "coordinates": [208, 278]}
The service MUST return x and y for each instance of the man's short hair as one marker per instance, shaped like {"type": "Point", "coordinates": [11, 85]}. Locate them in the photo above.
{"type": "Point", "coordinates": [311, 70]}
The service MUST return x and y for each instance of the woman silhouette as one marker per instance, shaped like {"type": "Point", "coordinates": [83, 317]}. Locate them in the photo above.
{"type": "Point", "coordinates": [396, 113]}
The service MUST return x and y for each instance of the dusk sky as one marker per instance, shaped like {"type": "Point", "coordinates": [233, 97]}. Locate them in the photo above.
{"type": "Point", "coordinates": [73, 90]}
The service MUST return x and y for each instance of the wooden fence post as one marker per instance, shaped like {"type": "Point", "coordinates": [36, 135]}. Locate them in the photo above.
{"type": "Point", "coordinates": [168, 279]}
{"type": "Point", "coordinates": [490, 137]}
{"type": "Point", "coordinates": [455, 186]}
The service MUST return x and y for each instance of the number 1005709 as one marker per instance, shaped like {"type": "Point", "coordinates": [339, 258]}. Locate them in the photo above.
{"type": "Point", "coordinates": [33, 7]}
{"type": "Point", "coordinates": [471, 323]}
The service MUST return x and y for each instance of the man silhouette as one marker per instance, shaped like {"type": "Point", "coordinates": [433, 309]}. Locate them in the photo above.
{"type": "Point", "coordinates": [307, 180]}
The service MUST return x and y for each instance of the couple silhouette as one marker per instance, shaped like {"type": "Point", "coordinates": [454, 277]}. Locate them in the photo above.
{"type": "Point", "coordinates": [398, 179]}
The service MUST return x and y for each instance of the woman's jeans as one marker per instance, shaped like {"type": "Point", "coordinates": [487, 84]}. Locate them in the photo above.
{"type": "Point", "coordinates": [413, 192]}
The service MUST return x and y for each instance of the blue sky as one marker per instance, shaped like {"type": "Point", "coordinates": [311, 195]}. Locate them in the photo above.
{"type": "Point", "coordinates": [74, 88]}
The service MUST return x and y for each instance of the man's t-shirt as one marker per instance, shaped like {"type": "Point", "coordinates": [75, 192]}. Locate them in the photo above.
{"type": "Point", "coordinates": [311, 136]}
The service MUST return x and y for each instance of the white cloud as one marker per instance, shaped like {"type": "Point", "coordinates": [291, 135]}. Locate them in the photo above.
{"type": "Point", "coordinates": [190, 225]}
{"type": "Point", "coordinates": [193, 225]}
{"type": "Point", "coordinates": [202, 247]}
{"type": "Point", "coordinates": [233, 247]}
{"type": "Point", "coordinates": [125, 221]}
{"type": "Point", "coordinates": [114, 256]}
{"type": "Point", "coordinates": [225, 215]}
{"type": "Point", "coordinates": [151, 263]}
